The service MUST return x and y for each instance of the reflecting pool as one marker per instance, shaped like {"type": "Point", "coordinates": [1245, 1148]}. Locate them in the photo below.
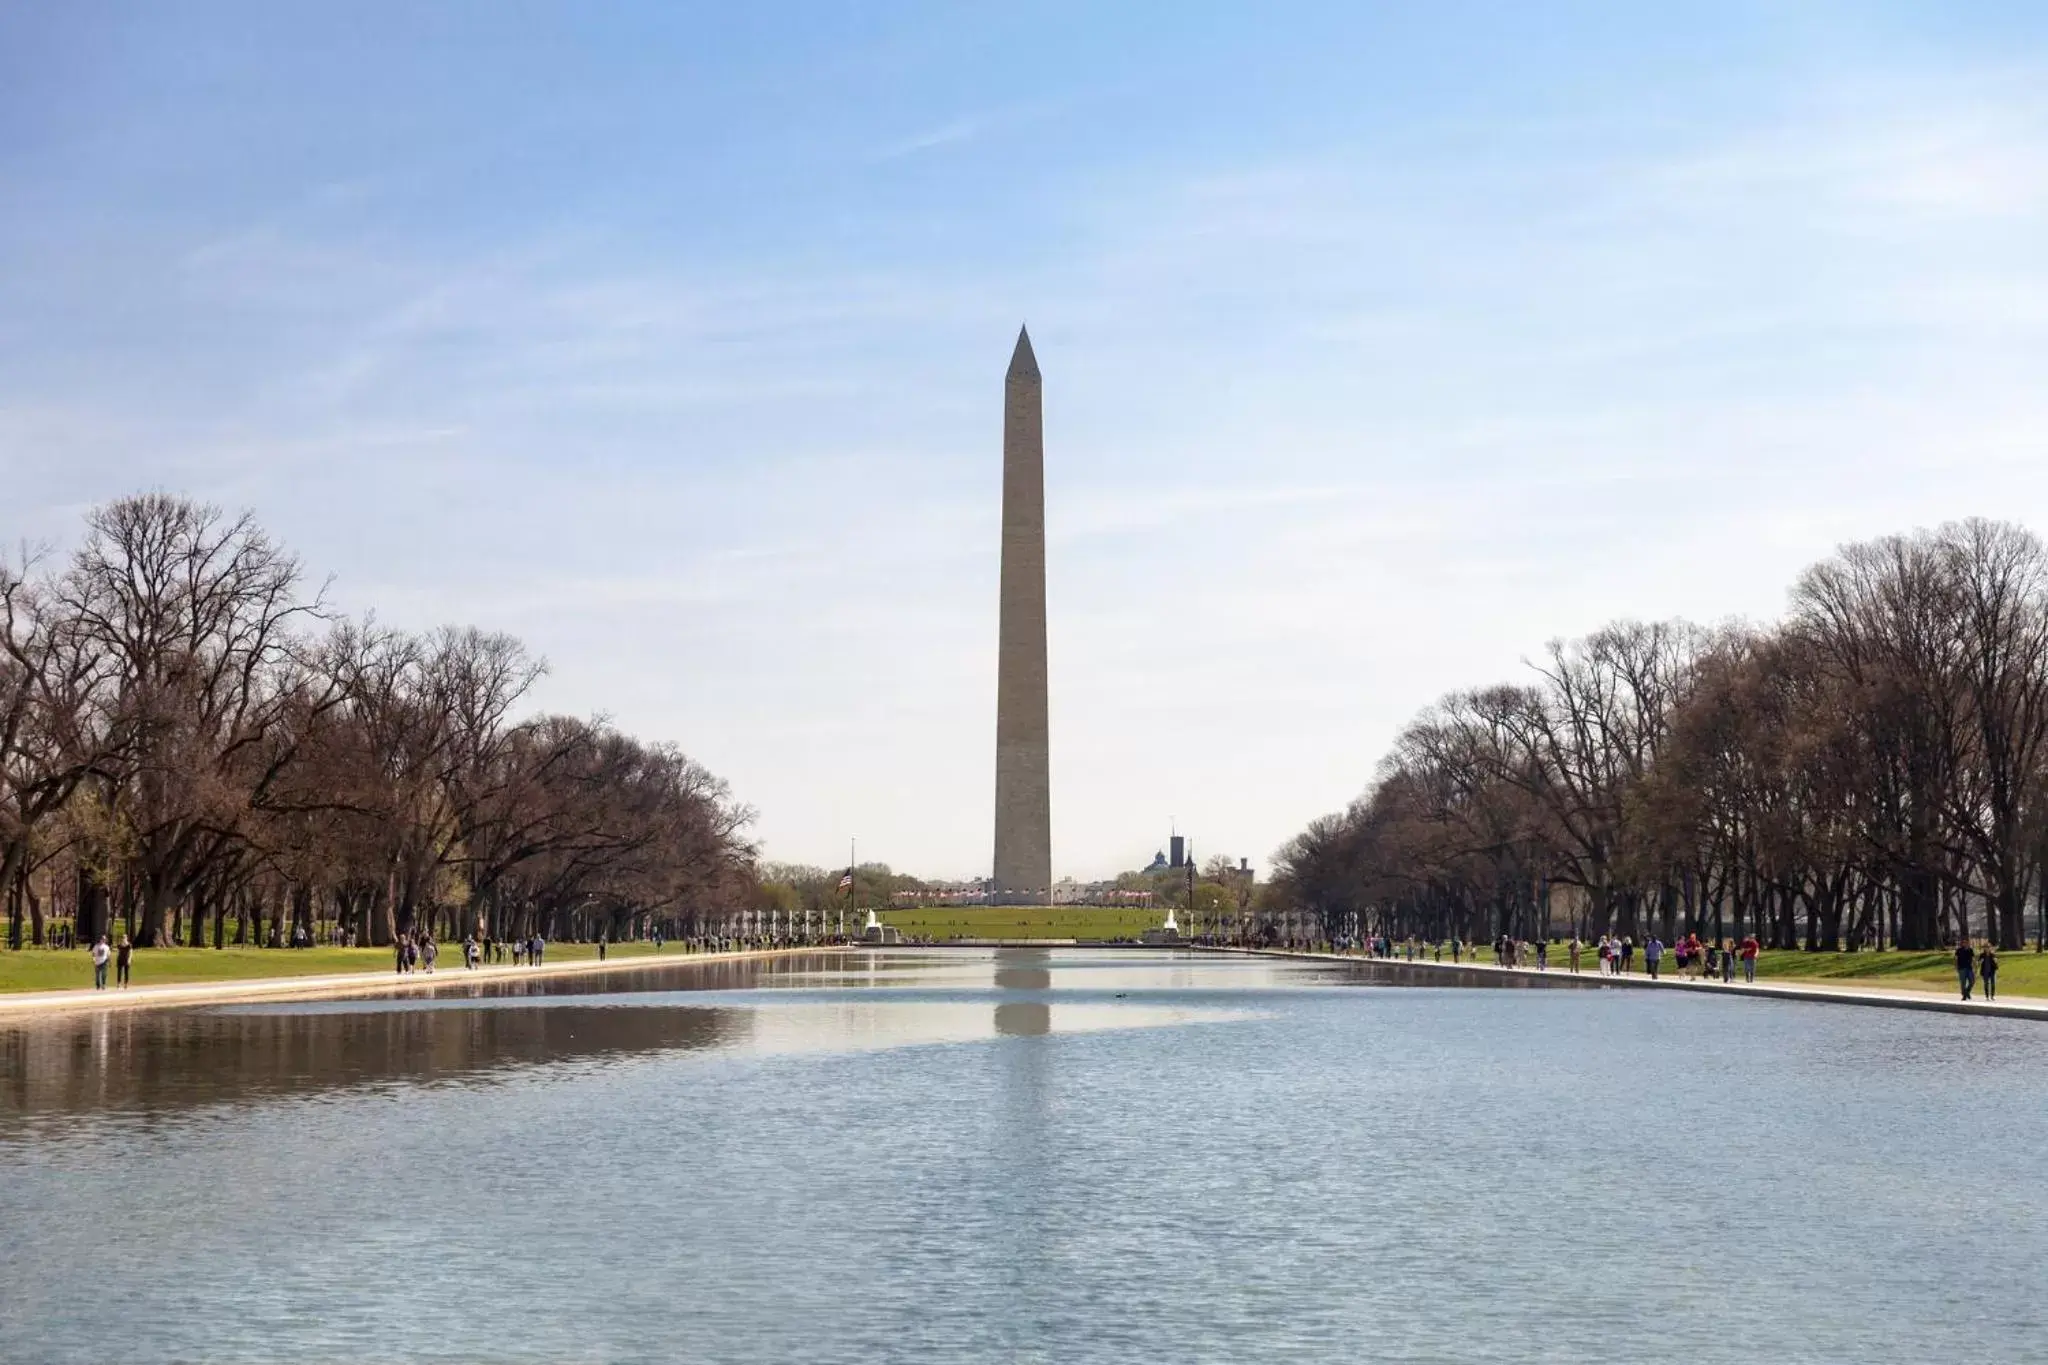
{"type": "Point", "coordinates": [1036, 1155]}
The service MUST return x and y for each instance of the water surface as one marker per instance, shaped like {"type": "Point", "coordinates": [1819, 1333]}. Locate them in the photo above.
{"type": "Point", "coordinates": [1069, 1156]}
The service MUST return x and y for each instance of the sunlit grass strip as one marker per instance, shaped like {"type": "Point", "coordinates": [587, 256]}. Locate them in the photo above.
{"type": "Point", "coordinates": [51, 969]}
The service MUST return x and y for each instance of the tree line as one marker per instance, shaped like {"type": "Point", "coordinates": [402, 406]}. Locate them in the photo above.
{"type": "Point", "coordinates": [194, 747]}
{"type": "Point", "coordinates": [1870, 770]}
{"type": "Point", "coordinates": [804, 888]}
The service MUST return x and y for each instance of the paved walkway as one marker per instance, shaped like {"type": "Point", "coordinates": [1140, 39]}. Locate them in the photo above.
{"type": "Point", "coordinates": [1824, 993]}
{"type": "Point", "coordinates": [17, 1004]}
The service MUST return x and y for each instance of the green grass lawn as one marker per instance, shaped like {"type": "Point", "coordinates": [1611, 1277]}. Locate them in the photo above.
{"type": "Point", "coordinates": [2020, 972]}
{"type": "Point", "coordinates": [48, 969]}
{"type": "Point", "coordinates": [1023, 921]}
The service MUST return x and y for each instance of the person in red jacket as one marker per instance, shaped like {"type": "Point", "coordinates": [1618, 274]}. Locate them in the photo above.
{"type": "Point", "coordinates": [1748, 951]}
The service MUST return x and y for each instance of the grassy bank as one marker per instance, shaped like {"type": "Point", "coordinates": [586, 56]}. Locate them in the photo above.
{"type": "Point", "coordinates": [1023, 921]}
{"type": "Point", "coordinates": [2020, 972]}
{"type": "Point", "coordinates": [50, 969]}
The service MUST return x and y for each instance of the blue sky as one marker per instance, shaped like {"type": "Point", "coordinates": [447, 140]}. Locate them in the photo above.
{"type": "Point", "coordinates": [1381, 344]}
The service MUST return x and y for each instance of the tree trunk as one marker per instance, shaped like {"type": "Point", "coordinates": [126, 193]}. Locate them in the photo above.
{"type": "Point", "coordinates": [13, 875]}
{"type": "Point", "coordinates": [1919, 897]}
{"type": "Point", "coordinates": [155, 905]}
{"type": "Point", "coordinates": [1827, 915]}
{"type": "Point", "coordinates": [90, 900]}
{"type": "Point", "coordinates": [2011, 932]}
{"type": "Point", "coordinates": [35, 918]}
{"type": "Point", "coordinates": [384, 926]}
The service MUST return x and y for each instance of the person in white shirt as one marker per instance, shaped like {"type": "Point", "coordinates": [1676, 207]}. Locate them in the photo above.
{"type": "Point", "coordinates": [100, 953]}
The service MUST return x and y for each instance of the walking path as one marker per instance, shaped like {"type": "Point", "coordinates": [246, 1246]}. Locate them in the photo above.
{"type": "Point", "coordinates": [1485, 973]}
{"type": "Point", "coordinates": [350, 983]}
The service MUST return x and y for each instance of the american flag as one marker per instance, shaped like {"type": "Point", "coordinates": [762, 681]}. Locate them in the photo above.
{"type": "Point", "coordinates": [846, 882]}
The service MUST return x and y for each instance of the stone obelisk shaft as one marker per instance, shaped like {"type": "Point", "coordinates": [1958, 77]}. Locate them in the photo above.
{"type": "Point", "coordinates": [1023, 864]}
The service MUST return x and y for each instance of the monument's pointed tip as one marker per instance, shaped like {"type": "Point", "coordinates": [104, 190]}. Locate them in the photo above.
{"type": "Point", "coordinates": [1022, 362]}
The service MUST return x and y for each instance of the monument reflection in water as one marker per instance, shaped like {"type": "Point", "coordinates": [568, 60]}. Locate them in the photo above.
{"type": "Point", "coordinates": [1023, 969]}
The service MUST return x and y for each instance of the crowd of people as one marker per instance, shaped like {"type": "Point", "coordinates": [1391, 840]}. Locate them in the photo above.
{"type": "Point", "coordinates": [1615, 954]}
{"type": "Point", "coordinates": [1692, 957]}
{"type": "Point", "coordinates": [418, 952]}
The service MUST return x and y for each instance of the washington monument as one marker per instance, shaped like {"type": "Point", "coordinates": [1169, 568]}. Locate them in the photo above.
{"type": "Point", "coordinates": [1023, 866]}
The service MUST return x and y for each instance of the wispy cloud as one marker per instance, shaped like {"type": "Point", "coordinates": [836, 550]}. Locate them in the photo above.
{"type": "Point", "coordinates": [971, 127]}
{"type": "Point", "coordinates": [945, 135]}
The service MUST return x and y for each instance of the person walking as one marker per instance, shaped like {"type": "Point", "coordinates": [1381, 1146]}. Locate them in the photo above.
{"type": "Point", "coordinates": [1987, 969]}
{"type": "Point", "coordinates": [1653, 953]}
{"type": "Point", "coordinates": [398, 955]}
{"type": "Point", "coordinates": [1966, 967]}
{"type": "Point", "coordinates": [1542, 954]}
{"type": "Point", "coordinates": [1727, 962]}
{"type": "Point", "coordinates": [1575, 952]}
{"type": "Point", "coordinates": [1749, 949]}
{"type": "Point", "coordinates": [100, 953]}
{"type": "Point", "coordinates": [122, 956]}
